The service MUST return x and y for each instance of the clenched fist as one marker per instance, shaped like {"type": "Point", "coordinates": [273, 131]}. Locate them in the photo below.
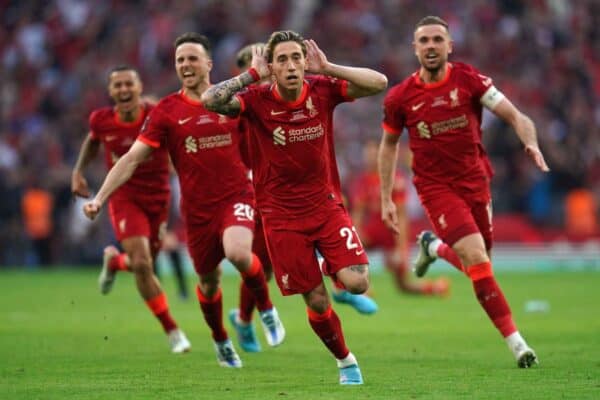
{"type": "Point", "coordinates": [91, 209]}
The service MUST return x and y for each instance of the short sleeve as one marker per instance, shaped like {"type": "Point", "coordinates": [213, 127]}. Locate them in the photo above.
{"type": "Point", "coordinates": [478, 83]}
{"type": "Point", "coordinates": [337, 89]}
{"type": "Point", "coordinates": [393, 115]}
{"type": "Point", "coordinates": [154, 130]}
{"type": "Point", "coordinates": [93, 123]}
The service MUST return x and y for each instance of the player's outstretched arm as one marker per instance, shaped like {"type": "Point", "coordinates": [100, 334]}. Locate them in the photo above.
{"type": "Point", "coordinates": [386, 162]}
{"type": "Point", "coordinates": [220, 97]}
{"type": "Point", "coordinates": [362, 81]}
{"type": "Point", "coordinates": [118, 175]}
{"type": "Point", "coordinates": [88, 151]}
{"type": "Point", "coordinates": [525, 129]}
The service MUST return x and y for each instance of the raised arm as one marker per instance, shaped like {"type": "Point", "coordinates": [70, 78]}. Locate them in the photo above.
{"type": "Point", "coordinates": [118, 175]}
{"type": "Point", "coordinates": [362, 81]}
{"type": "Point", "coordinates": [88, 151]}
{"type": "Point", "coordinates": [525, 129]}
{"type": "Point", "coordinates": [386, 161]}
{"type": "Point", "coordinates": [220, 97]}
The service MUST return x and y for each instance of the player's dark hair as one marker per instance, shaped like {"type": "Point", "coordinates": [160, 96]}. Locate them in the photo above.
{"type": "Point", "coordinates": [432, 20]}
{"type": "Point", "coordinates": [244, 56]}
{"type": "Point", "coordinates": [284, 36]}
{"type": "Point", "coordinates": [122, 67]}
{"type": "Point", "coordinates": [193, 37]}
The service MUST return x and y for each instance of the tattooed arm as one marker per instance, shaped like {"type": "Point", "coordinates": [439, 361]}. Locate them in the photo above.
{"type": "Point", "coordinates": [220, 97]}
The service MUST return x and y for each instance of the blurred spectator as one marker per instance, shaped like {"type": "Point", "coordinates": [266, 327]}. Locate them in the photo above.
{"type": "Point", "coordinates": [581, 213]}
{"type": "Point", "coordinates": [37, 204]}
{"type": "Point", "coordinates": [54, 56]}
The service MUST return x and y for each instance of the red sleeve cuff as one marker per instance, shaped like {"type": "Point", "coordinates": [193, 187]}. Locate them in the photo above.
{"type": "Point", "coordinates": [390, 129]}
{"type": "Point", "coordinates": [345, 91]}
{"type": "Point", "coordinates": [149, 142]}
{"type": "Point", "coordinates": [242, 103]}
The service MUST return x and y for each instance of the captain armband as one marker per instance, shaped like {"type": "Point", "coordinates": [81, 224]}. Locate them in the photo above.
{"type": "Point", "coordinates": [491, 98]}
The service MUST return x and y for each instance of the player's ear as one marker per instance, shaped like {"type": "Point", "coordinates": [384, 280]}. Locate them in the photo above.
{"type": "Point", "coordinates": [450, 45]}
{"type": "Point", "coordinates": [209, 63]}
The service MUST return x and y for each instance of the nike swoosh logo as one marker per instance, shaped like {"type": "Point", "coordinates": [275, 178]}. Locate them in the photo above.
{"type": "Point", "coordinates": [273, 112]}
{"type": "Point", "coordinates": [183, 121]}
{"type": "Point", "coordinates": [417, 106]}
{"type": "Point", "coordinates": [111, 138]}
{"type": "Point", "coordinates": [359, 252]}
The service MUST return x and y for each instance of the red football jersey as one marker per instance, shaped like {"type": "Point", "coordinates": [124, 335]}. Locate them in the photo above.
{"type": "Point", "coordinates": [151, 178]}
{"type": "Point", "coordinates": [291, 145]}
{"type": "Point", "coordinates": [443, 120]}
{"type": "Point", "coordinates": [205, 150]}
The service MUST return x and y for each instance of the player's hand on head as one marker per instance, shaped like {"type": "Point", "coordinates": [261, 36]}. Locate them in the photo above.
{"type": "Point", "coordinates": [316, 59]}
{"type": "Point", "coordinates": [91, 209]}
{"type": "Point", "coordinates": [79, 186]}
{"type": "Point", "coordinates": [260, 61]}
{"type": "Point", "coordinates": [389, 215]}
{"type": "Point", "coordinates": [535, 153]}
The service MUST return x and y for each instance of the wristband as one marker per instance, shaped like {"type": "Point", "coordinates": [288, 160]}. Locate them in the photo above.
{"type": "Point", "coordinates": [254, 74]}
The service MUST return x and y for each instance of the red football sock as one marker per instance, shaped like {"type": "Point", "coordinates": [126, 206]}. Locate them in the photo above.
{"type": "Point", "coordinates": [491, 298]}
{"type": "Point", "coordinates": [118, 263]}
{"type": "Point", "coordinates": [255, 281]}
{"type": "Point", "coordinates": [247, 303]}
{"type": "Point", "coordinates": [160, 308]}
{"type": "Point", "coordinates": [447, 253]}
{"type": "Point", "coordinates": [328, 328]}
{"type": "Point", "coordinates": [212, 309]}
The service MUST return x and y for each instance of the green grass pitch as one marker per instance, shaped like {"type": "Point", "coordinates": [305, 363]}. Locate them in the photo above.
{"type": "Point", "coordinates": [60, 339]}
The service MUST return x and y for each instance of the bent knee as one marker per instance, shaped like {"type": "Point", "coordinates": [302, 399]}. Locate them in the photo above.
{"type": "Point", "coordinates": [239, 256]}
{"type": "Point", "coordinates": [140, 263]}
{"type": "Point", "coordinates": [355, 278]}
{"type": "Point", "coordinates": [358, 286]}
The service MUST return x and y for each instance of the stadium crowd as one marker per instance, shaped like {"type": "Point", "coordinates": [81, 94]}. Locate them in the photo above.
{"type": "Point", "coordinates": [55, 55]}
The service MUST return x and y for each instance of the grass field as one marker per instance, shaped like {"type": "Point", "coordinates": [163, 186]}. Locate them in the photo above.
{"type": "Point", "coordinates": [60, 339]}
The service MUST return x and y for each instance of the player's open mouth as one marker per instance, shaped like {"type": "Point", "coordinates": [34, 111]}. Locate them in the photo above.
{"type": "Point", "coordinates": [125, 99]}
{"type": "Point", "coordinates": [431, 56]}
{"type": "Point", "coordinates": [291, 78]}
{"type": "Point", "coordinates": [188, 74]}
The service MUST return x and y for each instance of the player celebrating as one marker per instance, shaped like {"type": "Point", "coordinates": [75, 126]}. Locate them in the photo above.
{"type": "Point", "coordinates": [138, 210]}
{"type": "Point", "coordinates": [366, 214]}
{"type": "Point", "coordinates": [216, 196]}
{"type": "Point", "coordinates": [295, 173]}
{"type": "Point", "coordinates": [441, 105]}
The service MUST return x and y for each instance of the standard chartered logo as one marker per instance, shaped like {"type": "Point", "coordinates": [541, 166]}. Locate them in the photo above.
{"type": "Point", "coordinates": [279, 136]}
{"type": "Point", "coordinates": [193, 144]}
{"type": "Point", "coordinates": [423, 129]}
{"type": "Point", "coordinates": [190, 145]}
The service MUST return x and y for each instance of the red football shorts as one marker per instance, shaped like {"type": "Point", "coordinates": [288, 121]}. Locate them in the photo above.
{"type": "Point", "coordinates": [134, 216]}
{"type": "Point", "coordinates": [455, 214]}
{"type": "Point", "coordinates": [292, 244]}
{"type": "Point", "coordinates": [205, 238]}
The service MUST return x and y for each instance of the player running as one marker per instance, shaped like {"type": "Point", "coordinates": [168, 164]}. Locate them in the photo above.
{"type": "Point", "coordinates": [139, 209]}
{"type": "Point", "coordinates": [440, 105]}
{"type": "Point", "coordinates": [295, 173]}
{"type": "Point", "coordinates": [217, 199]}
